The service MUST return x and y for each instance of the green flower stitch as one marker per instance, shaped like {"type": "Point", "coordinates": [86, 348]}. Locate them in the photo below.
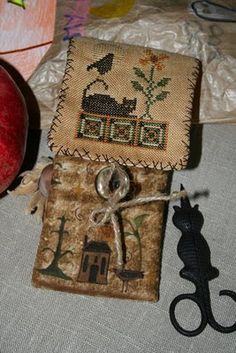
{"type": "Point", "coordinates": [156, 63]}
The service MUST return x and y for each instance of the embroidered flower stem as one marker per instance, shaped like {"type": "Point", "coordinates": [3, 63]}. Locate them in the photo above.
{"type": "Point", "coordinates": [149, 90]}
{"type": "Point", "coordinates": [156, 62]}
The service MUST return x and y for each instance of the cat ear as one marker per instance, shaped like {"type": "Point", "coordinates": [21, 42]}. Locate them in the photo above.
{"type": "Point", "coordinates": [196, 207]}
{"type": "Point", "coordinates": [176, 208]}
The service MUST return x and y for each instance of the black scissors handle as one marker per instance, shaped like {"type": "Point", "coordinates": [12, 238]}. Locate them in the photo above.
{"type": "Point", "coordinates": [194, 251]}
{"type": "Point", "coordinates": [175, 323]}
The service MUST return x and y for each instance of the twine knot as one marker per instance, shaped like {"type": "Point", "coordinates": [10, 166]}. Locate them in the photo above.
{"type": "Point", "coordinates": [101, 216]}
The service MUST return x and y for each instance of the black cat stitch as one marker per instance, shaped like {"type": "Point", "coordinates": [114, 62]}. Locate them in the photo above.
{"type": "Point", "coordinates": [123, 103]}
{"type": "Point", "coordinates": [195, 253]}
{"type": "Point", "coordinates": [120, 106]}
{"type": "Point", "coordinates": [103, 104]}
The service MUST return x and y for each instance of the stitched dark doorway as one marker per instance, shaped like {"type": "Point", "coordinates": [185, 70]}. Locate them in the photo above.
{"type": "Point", "coordinates": [93, 273]}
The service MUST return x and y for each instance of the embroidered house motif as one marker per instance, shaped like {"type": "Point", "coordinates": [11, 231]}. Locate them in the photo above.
{"type": "Point", "coordinates": [68, 260]}
{"type": "Point", "coordinates": [95, 262]}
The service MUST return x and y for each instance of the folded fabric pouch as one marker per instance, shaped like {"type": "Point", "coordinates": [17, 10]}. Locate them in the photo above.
{"type": "Point", "coordinates": [76, 256]}
{"type": "Point", "coordinates": [125, 103]}
{"type": "Point", "coordinates": [119, 105]}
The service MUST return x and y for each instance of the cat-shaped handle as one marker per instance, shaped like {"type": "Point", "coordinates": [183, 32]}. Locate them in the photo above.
{"type": "Point", "coordinates": [195, 253]}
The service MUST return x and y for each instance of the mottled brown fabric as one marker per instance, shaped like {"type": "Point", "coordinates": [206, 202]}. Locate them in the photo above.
{"type": "Point", "coordinates": [125, 103]}
{"type": "Point", "coordinates": [75, 256]}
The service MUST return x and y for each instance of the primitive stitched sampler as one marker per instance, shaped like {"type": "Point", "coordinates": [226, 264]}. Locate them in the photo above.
{"type": "Point", "coordinates": [76, 257]}
{"type": "Point", "coordinates": [125, 103]}
{"type": "Point", "coordinates": [118, 104]}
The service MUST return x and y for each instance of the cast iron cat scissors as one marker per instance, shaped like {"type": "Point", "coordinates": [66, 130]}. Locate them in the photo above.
{"type": "Point", "coordinates": [194, 251]}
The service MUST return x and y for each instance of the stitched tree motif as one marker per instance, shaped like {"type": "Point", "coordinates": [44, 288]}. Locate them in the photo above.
{"type": "Point", "coordinates": [155, 62]}
{"type": "Point", "coordinates": [135, 225]}
{"type": "Point", "coordinates": [53, 269]}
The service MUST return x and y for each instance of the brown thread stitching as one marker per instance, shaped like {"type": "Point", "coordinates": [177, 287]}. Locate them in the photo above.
{"type": "Point", "coordinates": [63, 91]}
{"type": "Point", "coordinates": [121, 160]}
{"type": "Point", "coordinates": [127, 161]}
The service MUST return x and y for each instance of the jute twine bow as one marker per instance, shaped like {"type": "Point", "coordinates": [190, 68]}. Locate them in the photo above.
{"type": "Point", "coordinates": [101, 216]}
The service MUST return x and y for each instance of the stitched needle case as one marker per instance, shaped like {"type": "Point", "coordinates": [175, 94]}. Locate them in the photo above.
{"type": "Point", "coordinates": [118, 104]}
{"type": "Point", "coordinates": [125, 103]}
{"type": "Point", "coordinates": [76, 257]}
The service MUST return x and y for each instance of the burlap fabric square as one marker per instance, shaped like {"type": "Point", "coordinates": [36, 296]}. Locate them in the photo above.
{"type": "Point", "coordinates": [125, 103]}
{"type": "Point", "coordinates": [78, 257]}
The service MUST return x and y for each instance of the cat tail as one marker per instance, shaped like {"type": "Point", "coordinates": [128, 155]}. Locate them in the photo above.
{"type": "Point", "coordinates": [93, 83]}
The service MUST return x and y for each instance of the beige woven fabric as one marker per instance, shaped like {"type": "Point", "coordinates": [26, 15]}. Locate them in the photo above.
{"type": "Point", "coordinates": [125, 103]}
{"type": "Point", "coordinates": [74, 256]}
